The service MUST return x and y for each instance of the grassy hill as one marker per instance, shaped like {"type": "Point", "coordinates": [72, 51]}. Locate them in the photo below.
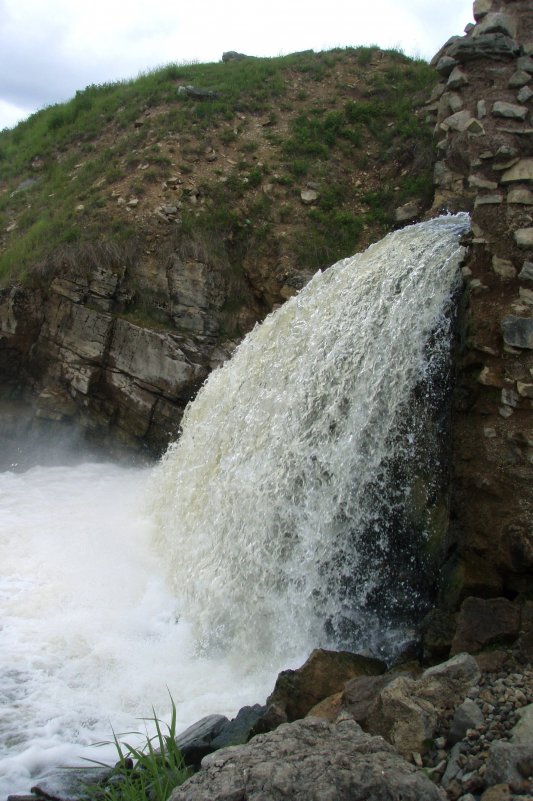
{"type": "Point", "coordinates": [124, 168]}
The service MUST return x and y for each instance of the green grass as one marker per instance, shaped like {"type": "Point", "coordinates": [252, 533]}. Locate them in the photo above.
{"type": "Point", "coordinates": [324, 139]}
{"type": "Point", "coordinates": [147, 773]}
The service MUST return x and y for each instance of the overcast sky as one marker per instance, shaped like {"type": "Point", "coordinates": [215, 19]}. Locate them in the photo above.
{"type": "Point", "coordinates": [51, 48]}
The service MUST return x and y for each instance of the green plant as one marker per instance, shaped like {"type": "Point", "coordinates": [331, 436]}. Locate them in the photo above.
{"type": "Point", "coordinates": [147, 773]}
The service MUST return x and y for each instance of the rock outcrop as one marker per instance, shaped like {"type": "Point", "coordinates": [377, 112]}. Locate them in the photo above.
{"type": "Point", "coordinates": [83, 358]}
{"type": "Point", "coordinates": [482, 114]}
{"type": "Point", "coordinates": [310, 759]}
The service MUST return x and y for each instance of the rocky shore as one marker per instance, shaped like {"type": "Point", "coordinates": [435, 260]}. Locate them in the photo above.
{"type": "Point", "coordinates": [344, 726]}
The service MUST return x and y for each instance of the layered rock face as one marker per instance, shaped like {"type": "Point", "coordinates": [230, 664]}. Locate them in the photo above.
{"type": "Point", "coordinates": [482, 112]}
{"type": "Point", "coordinates": [79, 360]}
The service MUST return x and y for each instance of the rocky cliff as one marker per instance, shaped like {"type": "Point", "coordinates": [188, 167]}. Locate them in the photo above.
{"type": "Point", "coordinates": [181, 220]}
{"type": "Point", "coordinates": [481, 110]}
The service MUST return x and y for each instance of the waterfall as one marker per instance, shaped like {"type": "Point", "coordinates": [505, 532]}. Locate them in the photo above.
{"type": "Point", "coordinates": [289, 510]}
{"type": "Point", "coordinates": [297, 509]}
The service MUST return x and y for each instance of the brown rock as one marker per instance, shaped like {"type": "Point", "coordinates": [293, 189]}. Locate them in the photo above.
{"type": "Point", "coordinates": [360, 693]}
{"type": "Point", "coordinates": [328, 709]}
{"type": "Point", "coordinates": [498, 792]}
{"type": "Point", "coordinates": [492, 661]}
{"type": "Point", "coordinates": [483, 622]}
{"type": "Point", "coordinates": [405, 720]}
{"type": "Point", "coordinates": [324, 673]}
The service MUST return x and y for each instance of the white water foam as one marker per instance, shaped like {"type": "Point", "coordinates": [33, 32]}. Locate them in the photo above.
{"type": "Point", "coordinates": [89, 638]}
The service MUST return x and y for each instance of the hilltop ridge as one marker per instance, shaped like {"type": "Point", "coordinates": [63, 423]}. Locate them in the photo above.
{"type": "Point", "coordinates": [188, 204]}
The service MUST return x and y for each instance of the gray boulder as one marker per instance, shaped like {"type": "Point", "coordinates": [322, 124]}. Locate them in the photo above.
{"type": "Point", "coordinates": [310, 760]}
{"type": "Point", "coordinates": [509, 764]}
{"type": "Point", "coordinates": [467, 716]}
{"type": "Point", "coordinates": [232, 55]}
{"type": "Point", "coordinates": [197, 741]}
{"type": "Point", "coordinates": [487, 45]}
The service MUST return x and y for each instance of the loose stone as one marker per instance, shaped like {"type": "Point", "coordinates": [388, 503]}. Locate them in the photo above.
{"type": "Point", "coordinates": [509, 110]}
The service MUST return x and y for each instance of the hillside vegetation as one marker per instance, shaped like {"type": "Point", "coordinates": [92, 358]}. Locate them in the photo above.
{"type": "Point", "coordinates": [125, 168]}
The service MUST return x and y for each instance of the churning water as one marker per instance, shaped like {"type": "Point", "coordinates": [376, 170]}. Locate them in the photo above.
{"type": "Point", "coordinates": [264, 532]}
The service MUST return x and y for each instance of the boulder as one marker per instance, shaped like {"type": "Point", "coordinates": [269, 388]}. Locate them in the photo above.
{"type": "Point", "coordinates": [404, 719]}
{"type": "Point", "coordinates": [457, 78]}
{"type": "Point", "coordinates": [322, 675]}
{"type": "Point", "coordinates": [496, 22]}
{"type": "Point", "coordinates": [495, 46]}
{"type": "Point", "coordinates": [447, 684]}
{"type": "Point", "coordinates": [237, 730]}
{"type": "Point", "coordinates": [510, 764]}
{"type": "Point", "coordinates": [309, 759]}
{"type": "Point", "coordinates": [467, 716]}
{"type": "Point", "coordinates": [197, 740]}
{"type": "Point", "coordinates": [483, 622]}
{"type": "Point", "coordinates": [359, 695]}
{"type": "Point", "coordinates": [232, 55]}
{"type": "Point", "coordinates": [522, 732]}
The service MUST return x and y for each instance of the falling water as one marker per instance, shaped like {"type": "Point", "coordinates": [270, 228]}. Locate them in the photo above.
{"type": "Point", "coordinates": [267, 529]}
{"type": "Point", "coordinates": [280, 505]}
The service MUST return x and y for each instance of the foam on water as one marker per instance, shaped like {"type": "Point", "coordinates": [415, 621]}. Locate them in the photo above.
{"type": "Point", "coordinates": [89, 637]}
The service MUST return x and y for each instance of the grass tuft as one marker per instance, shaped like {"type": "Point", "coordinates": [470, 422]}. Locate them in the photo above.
{"type": "Point", "coordinates": [147, 773]}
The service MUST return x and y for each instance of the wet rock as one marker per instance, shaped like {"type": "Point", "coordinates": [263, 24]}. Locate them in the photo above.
{"type": "Point", "coordinates": [71, 784]}
{"type": "Point", "coordinates": [237, 730]}
{"type": "Point", "coordinates": [503, 268]}
{"type": "Point", "coordinates": [322, 675]}
{"type": "Point", "coordinates": [197, 740]}
{"type": "Point", "coordinates": [308, 759]}
{"type": "Point", "coordinates": [483, 622]}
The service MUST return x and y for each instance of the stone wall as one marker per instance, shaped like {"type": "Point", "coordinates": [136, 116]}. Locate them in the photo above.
{"type": "Point", "coordinates": [483, 118]}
